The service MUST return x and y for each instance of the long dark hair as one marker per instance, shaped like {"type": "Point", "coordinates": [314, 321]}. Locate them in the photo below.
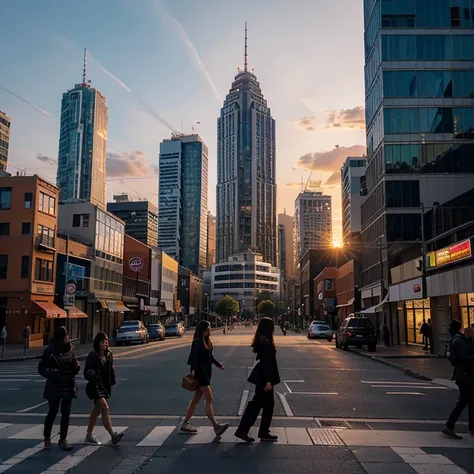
{"type": "Point", "coordinates": [201, 328]}
{"type": "Point", "coordinates": [265, 329]}
{"type": "Point", "coordinates": [99, 337]}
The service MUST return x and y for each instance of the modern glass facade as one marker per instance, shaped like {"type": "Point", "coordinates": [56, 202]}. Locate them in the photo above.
{"type": "Point", "coordinates": [82, 146]}
{"type": "Point", "coordinates": [246, 182]}
{"type": "Point", "coordinates": [5, 124]}
{"type": "Point", "coordinates": [419, 79]}
{"type": "Point", "coordinates": [182, 221]}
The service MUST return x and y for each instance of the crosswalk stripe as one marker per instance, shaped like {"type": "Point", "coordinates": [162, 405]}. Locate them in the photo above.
{"type": "Point", "coordinates": [157, 436]}
{"type": "Point", "coordinates": [4, 425]}
{"type": "Point", "coordinates": [71, 461]}
{"type": "Point", "coordinates": [18, 458]}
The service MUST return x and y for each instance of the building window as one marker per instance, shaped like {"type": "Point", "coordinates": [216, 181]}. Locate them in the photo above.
{"type": "Point", "coordinates": [329, 284]}
{"type": "Point", "coordinates": [28, 200]}
{"type": "Point", "coordinates": [46, 235]}
{"type": "Point", "coordinates": [5, 198]}
{"type": "Point", "coordinates": [3, 266]}
{"type": "Point", "coordinates": [43, 270]}
{"type": "Point", "coordinates": [47, 204]}
{"type": "Point", "coordinates": [25, 266]}
{"type": "Point", "coordinates": [455, 17]}
{"type": "Point", "coordinates": [417, 312]}
{"type": "Point", "coordinates": [80, 220]}
{"type": "Point", "coordinates": [26, 228]}
{"type": "Point", "coordinates": [4, 228]}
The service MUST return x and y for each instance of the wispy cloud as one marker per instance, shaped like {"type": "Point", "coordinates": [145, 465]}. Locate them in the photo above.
{"type": "Point", "coordinates": [124, 164]}
{"type": "Point", "coordinates": [346, 119]}
{"type": "Point", "coordinates": [307, 123]}
{"type": "Point", "coordinates": [190, 48]}
{"type": "Point", "coordinates": [331, 160]}
{"type": "Point", "coordinates": [334, 180]}
{"type": "Point", "coordinates": [47, 159]}
{"type": "Point", "coordinates": [27, 102]}
{"type": "Point", "coordinates": [293, 185]}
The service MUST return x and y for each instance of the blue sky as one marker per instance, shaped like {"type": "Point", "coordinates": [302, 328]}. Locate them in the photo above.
{"type": "Point", "coordinates": [307, 54]}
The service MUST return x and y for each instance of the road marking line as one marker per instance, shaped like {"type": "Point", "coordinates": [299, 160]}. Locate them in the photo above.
{"type": "Point", "coordinates": [71, 461]}
{"type": "Point", "coordinates": [314, 393]}
{"type": "Point", "coordinates": [286, 385]}
{"type": "Point", "coordinates": [20, 457]}
{"type": "Point", "coordinates": [389, 382]}
{"type": "Point", "coordinates": [406, 393]}
{"type": "Point", "coordinates": [32, 408]}
{"type": "Point", "coordinates": [157, 436]}
{"type": "Point", "coordinates": [15, 380]}
{"type": "Point", "coordinates": [243, 402]}
{"type": "Point", "coordinates": [153, 352]}
{"type": "Point", "coordinates": [410, 386]}
{"type": "Point", "coordinates": [285, 404]}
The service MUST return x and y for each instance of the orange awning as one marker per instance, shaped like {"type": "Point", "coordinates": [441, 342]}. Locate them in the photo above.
{"type": "Point", "coordinates": [75, 313]}
{"type": "Point", "coordinates": [51, 310]}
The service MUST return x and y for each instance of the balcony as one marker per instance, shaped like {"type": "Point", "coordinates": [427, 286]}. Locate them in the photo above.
{"type": "Point", "coordinates": [45, 242]}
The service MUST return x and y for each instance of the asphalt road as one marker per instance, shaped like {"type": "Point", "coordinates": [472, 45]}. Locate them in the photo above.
{"type": "Point", "coordinates": [334, 409]}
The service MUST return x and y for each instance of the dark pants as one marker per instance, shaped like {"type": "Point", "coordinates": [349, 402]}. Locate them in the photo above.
{"type": "Point", "coordinates": [51, 416]}
{"type": "Point", "coordinates": [466, 397]}
{"type": "Point", "coordinates": [264, 401]}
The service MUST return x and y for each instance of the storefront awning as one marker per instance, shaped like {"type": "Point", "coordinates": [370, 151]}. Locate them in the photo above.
{"type": "Point", "coordinates": [121, 307]}
{"type": "Point", "coordinates": [350, 302]}
{"type": "Point", "coordinates": [116, 305]}
{"type": "Point", "coordinates": [103, 304]}
{"type": "Point", "coordinates": [377, 308]}
{"type": "Point", "coordinates": [52, 311]}
{"type": "Point", "coordinates": [75, 313]}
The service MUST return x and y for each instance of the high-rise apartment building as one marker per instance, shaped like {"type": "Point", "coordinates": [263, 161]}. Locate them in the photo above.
{"type": "Point", "coordinates": [287, 242]}
{"type": "Point", "coordinates": [182, 213]}
{"type": "Point", "coordinates": [211, 240]}
{"type": "Point", "coordinates": [313, 222]}
{"type": "Point", "coordinates": [140, 217]}
{"type": "Point", "coordinates": [5, 123]}
{"type": "Point", "coordinates": [351, 172]}
{"type": "Point", "coordinates": [419, 76]}
{"type": "Point", "coordinates": [82, 145]}
{"type": "Point", "coordinates": [246, 183]}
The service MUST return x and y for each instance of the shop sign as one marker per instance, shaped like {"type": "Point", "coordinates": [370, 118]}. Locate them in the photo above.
{"type": "Point", "coordinates": [320, 297]}
{"type": "Point", "coordinates": [320, 287]}
{"type": "Point", "coordinates": [136, 264]}
{"type": "Point", "coordinates": [43, 290]}
{"type": "Point", "coordinates": [416, 288]}
{"type": "Point", "coordinates": [453, 253]}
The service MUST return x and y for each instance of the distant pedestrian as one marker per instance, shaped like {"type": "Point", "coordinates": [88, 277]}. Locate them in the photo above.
{"type": "Point", "coordinates": [59, 367]}
{"type": "Point", "coordinates": [100, 373]}
{"type": "Point", "coordinates": [427, 332]}
{"type": "Point", "coordinates": [3, 340]}
{"type": "Point", "coordinates": [386, 335]}
{"type": "Point", "coordinates": [462, 358]}
{"type": "Point", "coordinates": [264, 376]}
{"type": "Point", "coordinates": [200, 360]}
{"type": "Point", "coordinates": [469, 331]}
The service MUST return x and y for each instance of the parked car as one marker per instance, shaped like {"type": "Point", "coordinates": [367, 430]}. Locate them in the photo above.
{"type": "Point", "coordinates": [156, 331]}
{"type": "Point", "coordinates": [320, 330]}
{"type": "Point", "coordinates": [356, 331]}
{"type": "Point", "coordinates": [174, 329]}
{"type": "Point", "coordinates": [132, 331]}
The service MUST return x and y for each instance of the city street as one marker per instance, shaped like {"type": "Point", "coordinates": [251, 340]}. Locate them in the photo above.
{"type": "Point", "coordinates": [336, 412]}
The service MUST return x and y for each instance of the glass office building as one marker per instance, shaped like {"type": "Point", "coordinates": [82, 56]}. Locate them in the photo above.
{"type": "Point", "coordinates": [182, 207]}
{"type": "Point", "coordinates": [5, 124]}
{"type": "Point", "coordinates": [419, 79]}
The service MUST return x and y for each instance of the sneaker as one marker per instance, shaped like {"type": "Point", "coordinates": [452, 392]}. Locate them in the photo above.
{"type": "Point", "coordinates": [244, 436]}
{"type": "Point", "coordinates": [92, 439]}
{"type": "Point", "coordinates": [446, 431]}
{"type": "Point", "coordinates": [47, 444]}
{"type": "Point", "coordinates": [220, 429]}
{"type": "Point", "coordinates": [268, 437]}
{"type": "Point", "coordinates": [117, 437]}
{"type": "Point", "coordinates": [188, 428]}
{"type": "Point", "coordinates": [64, 445]}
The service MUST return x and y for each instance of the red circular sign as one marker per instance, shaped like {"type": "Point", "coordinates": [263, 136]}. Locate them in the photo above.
{"type": "Point", "coordinates": [136, 264]}
{"type": "Point", "coordinates": [71, 288]}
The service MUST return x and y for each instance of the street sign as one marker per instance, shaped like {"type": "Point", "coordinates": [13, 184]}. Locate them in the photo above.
{"type": "Point", "coordinates": [136, 264]}
{"type": "Point", "coordinates": [71, 288]}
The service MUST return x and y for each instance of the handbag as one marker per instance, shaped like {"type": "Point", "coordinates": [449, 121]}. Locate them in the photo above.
{"type": "Point", "coordinates": [189, 383]}
{"type": "Point", "coordinates": [255, 376]}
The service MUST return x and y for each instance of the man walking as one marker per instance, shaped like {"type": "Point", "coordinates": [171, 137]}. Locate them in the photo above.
{"type": "Point", "coordinates": [462, 358]}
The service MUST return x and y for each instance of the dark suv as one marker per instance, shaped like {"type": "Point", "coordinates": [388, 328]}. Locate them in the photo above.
{"type": "Point", "coordinates": [356, 331]}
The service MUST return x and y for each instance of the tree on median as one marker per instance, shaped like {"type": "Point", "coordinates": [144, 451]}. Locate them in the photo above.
{"type": "Point", "coordinates": [227, 306]}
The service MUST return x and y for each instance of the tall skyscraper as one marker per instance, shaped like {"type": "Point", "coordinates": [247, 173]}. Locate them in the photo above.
{"type": "Point", "coordinates": [351, 172]}
{"type": "Point", "coordinates": [5, 123]}
{"type": "Point", "coordinates": [246, 184]}
{"type": "Point", "coordinates": [313, 222]}
{"type": "Point", "coordinates": [82, 144]}
{"type": "Point", "coordinates": [419, 76]}
{"type": "Point", "coordinates": [287, 222]}
{"type": "Point", "coordinates": [211, 240]}
{"type": "Point", "coordinates": [182, 213]}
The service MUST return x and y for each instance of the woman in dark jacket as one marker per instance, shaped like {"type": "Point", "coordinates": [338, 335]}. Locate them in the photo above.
{"type": "Point", "coordinates": [59, 367]}
{"type": "Point", "coordinates": [100, 373]}
{"type": "Point", "coordinates": [201, 360]}
{"type": "Point", "coordinates": [264, 376]}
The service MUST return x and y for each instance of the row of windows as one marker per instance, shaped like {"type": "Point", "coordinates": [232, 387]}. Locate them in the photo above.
{"type": "Point", "coordinates": [427, 48]}
{"type": "Point", "coordinates": [402, 193]}
{"type": "Point", "coordinates": [46, 204]}
{"type": "Point", "coordinates": [459, 121]}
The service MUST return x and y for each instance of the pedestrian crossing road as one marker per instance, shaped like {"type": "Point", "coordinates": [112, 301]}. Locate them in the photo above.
{"type": "Point", "coordinates": [144, 443]}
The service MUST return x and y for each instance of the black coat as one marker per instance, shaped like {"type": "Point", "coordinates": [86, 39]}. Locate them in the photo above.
{"type": "Point", "coordinates": [200, 360]}
{"type": "Point", "coordinates": [59, 367]}
{"type": "Point", "coordinates": [462, 357]}
{"type": "Point", "coordinates": [100, 375]}
{"type": "Point", "coordinates": [266, 369]}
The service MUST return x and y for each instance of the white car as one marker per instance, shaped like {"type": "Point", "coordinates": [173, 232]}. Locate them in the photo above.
{"type": "Point", "coordinates": [132, 331]}
{"type": "Point", "coordinates": [320, 330]}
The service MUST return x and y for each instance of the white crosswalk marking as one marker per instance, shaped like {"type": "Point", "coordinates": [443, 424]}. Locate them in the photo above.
{"type": "Point", "coordinates": [157, 436]}
{"type": "Point", "coordinates": [18, 458]}
{"type": "Point", "coordinates": [71, 461]}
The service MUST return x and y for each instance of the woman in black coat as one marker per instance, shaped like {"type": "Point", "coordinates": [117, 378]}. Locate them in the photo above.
{"type": "Point", "coordinates": [201, 360]}
{"type": "Point", "coordinates": [59, 367]}
{"type": "Point", "coordinates": [100, 373]}
{"type": "Point", "coordinates": [264, 376]}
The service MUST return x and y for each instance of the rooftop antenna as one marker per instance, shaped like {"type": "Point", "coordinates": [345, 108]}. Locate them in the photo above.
{"type": "Point", "coordinates": [84, 71]}
{"type": "Point", "coordinates": [245, 54]}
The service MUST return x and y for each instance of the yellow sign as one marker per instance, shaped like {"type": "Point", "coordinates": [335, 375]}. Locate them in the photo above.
{"type": "Point", "coordinates": [451, 254]}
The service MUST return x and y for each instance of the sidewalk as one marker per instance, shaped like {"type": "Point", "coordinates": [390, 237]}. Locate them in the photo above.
{"type": "Point", "coordinates": [16, 352]}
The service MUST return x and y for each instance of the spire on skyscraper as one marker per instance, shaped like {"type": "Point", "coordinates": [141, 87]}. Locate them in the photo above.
{"type": "Point", "coordinates": [84, 71]}
{"type": "Point", "coordinates": [245, 53]}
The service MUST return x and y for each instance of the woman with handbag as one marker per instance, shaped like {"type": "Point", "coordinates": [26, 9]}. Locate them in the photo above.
{"type": "Point", "coordinates": [100, 373]}
{"type": "Point", "coordinates": [59, 367]}
{"type": "Point", "coordinates": [201, 360]}
{"type": "Point", "coordinates": [264, 376]}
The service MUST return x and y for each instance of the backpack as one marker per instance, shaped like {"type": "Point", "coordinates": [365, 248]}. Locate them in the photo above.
{"type": "Point", "coordinates": [453, 358]}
